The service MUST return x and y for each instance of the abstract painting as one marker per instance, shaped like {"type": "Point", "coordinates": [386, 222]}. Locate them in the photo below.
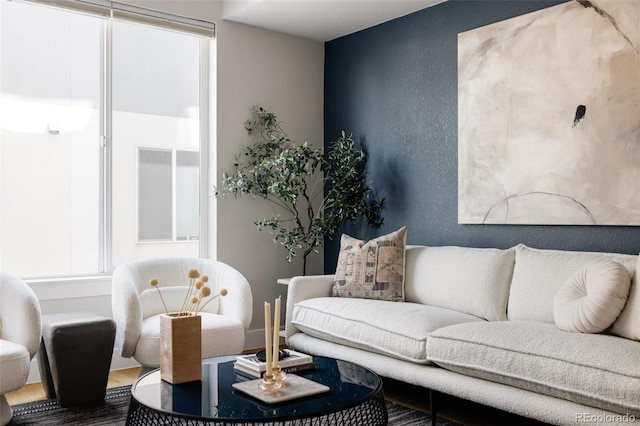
{"type": "Point", "coordinates": [549, 117]}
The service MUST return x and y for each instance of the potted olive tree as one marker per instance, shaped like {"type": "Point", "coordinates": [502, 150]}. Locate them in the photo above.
{"type": "Point", "coordinates": [314, 192]}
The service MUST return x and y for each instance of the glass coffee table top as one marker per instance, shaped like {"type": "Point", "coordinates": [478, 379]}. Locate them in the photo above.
{"type": "Point", "coordinates": [355, 397]}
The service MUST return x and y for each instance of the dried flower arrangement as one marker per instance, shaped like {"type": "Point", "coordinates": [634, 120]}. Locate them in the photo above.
{"type": "Point", "coordinates": [196, 292]}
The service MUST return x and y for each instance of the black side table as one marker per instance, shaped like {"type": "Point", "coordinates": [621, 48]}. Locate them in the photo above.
{"type": "Point", "coordinates": [75, 356]}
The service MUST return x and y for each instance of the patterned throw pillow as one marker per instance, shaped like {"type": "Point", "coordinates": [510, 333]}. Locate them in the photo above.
{"type": "Point", "coordinates": [373, 269]}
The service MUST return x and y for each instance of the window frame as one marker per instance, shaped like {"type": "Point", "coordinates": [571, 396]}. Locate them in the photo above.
{"type": "Point", "coordinates": [204, 149]}
{"type": "Point", "coordinates": [174, 194]}
{"type": "Point", "coordinates": [109, 12]}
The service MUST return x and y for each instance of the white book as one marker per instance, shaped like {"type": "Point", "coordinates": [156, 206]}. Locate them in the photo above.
{"type": "Point", "coordinates": [252, 362]}
{"type": "Point", "coordinates": [248, 371]}
{"type": "Point", "coordinates": [239, 368]}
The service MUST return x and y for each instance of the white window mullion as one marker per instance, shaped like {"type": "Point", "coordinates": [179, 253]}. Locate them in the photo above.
{"type": "Point", "coordinates": [204, 150]}
{"type": "Point", "coordinates": [106, 220]}
{"type": "Point", "coordinates": [174, 198]}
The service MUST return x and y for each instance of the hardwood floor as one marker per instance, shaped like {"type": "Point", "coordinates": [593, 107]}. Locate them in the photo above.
{"type": "Point", "coordinates": [461, 411]}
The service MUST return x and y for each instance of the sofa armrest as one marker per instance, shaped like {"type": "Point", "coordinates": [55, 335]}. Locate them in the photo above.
{"type": "Point", "coordinates": [302, 288]}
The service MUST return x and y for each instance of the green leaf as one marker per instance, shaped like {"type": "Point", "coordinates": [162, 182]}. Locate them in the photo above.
{"type": "Point", "coordinates": [291, 175]}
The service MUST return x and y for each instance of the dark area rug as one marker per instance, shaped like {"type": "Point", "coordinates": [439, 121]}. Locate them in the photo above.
{"type": "Point", "coordinates": [113, 411]}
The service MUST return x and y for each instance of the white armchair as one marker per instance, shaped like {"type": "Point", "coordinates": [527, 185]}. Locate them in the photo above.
{"type": "Point", "coordinates": [137, 306]}
{"type": "Point", "coordinates": [20, 334]}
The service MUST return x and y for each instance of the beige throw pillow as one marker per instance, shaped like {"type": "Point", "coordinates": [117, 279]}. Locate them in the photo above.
{"type": "Point", "coordinates": [373, 269]}
{"type": "Point", "coordinates": [592, 298]}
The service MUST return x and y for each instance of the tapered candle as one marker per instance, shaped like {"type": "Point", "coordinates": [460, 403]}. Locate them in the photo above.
{"type": "Point", "coordinates": [276, 334]}
{"type": "Point", "coordinates": [267, 337]}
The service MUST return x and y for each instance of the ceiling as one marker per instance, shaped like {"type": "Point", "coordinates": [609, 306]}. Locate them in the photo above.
{"type": "Point", "coordinates": [321, 20]}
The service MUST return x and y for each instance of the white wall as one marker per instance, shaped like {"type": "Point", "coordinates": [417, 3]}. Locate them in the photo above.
{"type": "Point", "coordinates": [285, 75]}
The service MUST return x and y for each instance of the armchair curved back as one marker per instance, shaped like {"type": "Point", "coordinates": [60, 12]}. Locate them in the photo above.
{"type": "Point", "coordinates": [20, 314]}
{"type": "Point", "coordinates": [132, 294]}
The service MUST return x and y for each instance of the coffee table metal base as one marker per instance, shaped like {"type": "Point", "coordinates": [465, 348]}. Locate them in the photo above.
{"type": "Point", "coordinates": [372, 412]}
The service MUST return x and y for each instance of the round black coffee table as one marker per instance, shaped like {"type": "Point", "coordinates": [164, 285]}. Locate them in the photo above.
{"type": "Point", "coordinates": [355, 398]}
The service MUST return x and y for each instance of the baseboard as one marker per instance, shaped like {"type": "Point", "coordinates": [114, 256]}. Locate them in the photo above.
{"type": "Point", "coordinates": [254, 339]}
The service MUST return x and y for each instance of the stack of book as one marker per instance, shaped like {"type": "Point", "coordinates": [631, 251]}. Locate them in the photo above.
{"type": "Point", "coordinates": [294, 362]}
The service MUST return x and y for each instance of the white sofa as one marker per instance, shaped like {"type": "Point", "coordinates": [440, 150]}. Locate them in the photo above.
{"type": "Point", "coordinates": [479, 324]}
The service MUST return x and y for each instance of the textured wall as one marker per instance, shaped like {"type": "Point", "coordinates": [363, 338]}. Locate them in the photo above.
{"type": "Point", "coordinates": [394, 87]}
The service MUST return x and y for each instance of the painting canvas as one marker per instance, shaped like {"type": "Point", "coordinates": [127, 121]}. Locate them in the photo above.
{"type": "Point", "coordinates": [549, 117]}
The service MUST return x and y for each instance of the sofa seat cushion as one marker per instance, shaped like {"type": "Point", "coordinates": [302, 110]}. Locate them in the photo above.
{"type": "Point", "coordinates": [541, 358]}
{"type": "Point", "coordinates": [395, 329]}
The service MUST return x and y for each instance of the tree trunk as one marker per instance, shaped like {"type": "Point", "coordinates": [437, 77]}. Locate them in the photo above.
{"type": "Point", "coordinates": [304, 264]}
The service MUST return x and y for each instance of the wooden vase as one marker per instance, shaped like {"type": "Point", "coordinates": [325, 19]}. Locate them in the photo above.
{"type": "Point", "coordinates": [180, 348]}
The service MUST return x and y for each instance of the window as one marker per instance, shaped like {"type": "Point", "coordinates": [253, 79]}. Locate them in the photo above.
{"type": "Point", "coordinates": [155, 195]}
{"type": "Point", "coordinates": [167, 195]}
{"type": "Point", "coordinates": [100, 129]}
{"type": "Point", "coordinates": [187, 175]}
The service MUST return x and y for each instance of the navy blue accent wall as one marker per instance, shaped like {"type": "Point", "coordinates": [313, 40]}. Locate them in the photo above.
{"type": "Point", "coordinates": [394, 86]}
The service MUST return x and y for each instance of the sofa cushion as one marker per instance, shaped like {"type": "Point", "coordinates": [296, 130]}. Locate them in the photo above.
{"type": "Point", "coordinates": [372, 269]}
{"type": "Point", "coordinates": [628, 323]}
{"type": "Point", "coordinates": [438, 276]}
{"type": "Point", "coordinates": [538, 274]}
{"type": "Point", "coordinates": [592, 298]}
{"type": "Point", "coordinates": [395, 329]}
{"type": "Point", "coordinates": [542, 358]}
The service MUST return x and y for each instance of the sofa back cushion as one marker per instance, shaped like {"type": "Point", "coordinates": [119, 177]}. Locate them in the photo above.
{"type": "Point", "coordinates": [538, 274]}
{"type": "Point", "coordinates": [628, 323]}
{"type": "Point", "coordinates": [473, 281]}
